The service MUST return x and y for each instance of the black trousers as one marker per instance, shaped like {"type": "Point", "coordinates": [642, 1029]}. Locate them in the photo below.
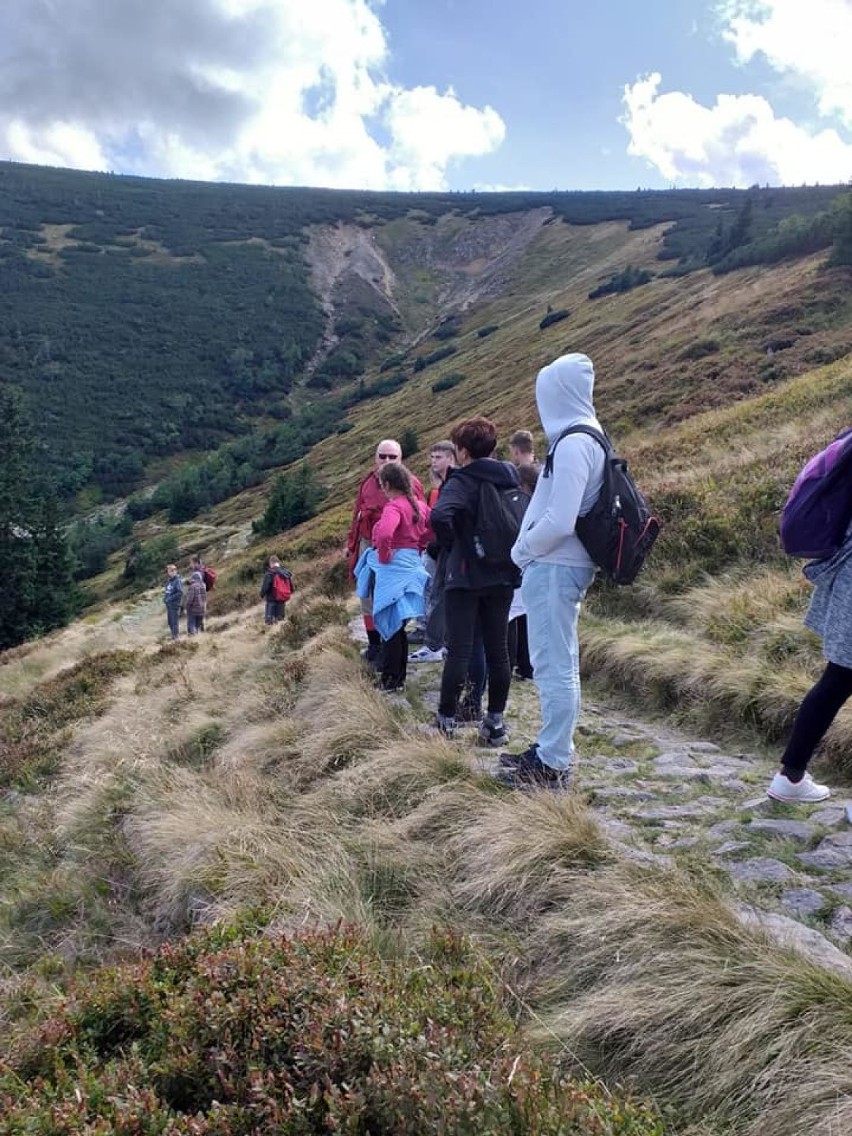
{"type": "Point", "coordinates": [490, 606]}
{"type": "Point", "coordinates": [395, 660]}
{"type": "Point", "coordinates": [818, 710]}
{"type": "Point", "coordinates": [519, 647]}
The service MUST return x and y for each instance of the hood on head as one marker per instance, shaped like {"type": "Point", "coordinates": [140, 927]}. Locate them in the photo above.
{"type": "Point", "coordinates": [563, 393]}
{"type": "Point", "coordinates": [196, 576]}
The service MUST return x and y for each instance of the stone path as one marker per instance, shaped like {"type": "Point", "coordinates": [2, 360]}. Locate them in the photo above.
{"type": "Point", "coordinates": [668, 798]}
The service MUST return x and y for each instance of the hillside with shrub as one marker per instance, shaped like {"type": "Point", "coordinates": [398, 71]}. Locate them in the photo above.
{"type": "Point", "coordinates": [240, 889]}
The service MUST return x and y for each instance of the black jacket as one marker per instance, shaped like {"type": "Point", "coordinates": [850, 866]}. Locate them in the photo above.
{"type": "Point", "coordinates": [452, 521]}
{"type": "Point", "coordinates": [266, 586]}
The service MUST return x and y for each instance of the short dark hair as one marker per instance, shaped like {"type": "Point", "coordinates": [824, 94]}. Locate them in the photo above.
{"type": "Point", "coordinates": [522, 440]}
{"type": "Point", "coordinates": [476, 435]}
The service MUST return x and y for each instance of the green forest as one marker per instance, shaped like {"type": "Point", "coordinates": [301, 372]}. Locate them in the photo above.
{"type": "Point", "coordinates": [144, 320]}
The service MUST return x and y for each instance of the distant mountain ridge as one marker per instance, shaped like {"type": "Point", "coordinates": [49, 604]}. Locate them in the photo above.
{"type": "Point", "coordinates": [146, 320]}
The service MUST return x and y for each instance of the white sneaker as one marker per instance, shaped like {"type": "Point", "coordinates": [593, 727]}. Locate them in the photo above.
{"type": "Point", "coordinates": [425, 655]}
{"type": "Point", "coordinates": [806, 791]}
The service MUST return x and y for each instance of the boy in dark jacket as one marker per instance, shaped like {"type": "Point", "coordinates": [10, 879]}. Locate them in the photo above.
{"type": "Point", "coordinates": [474, 590]}
{"type": "Point", "coordinates": [276, 589]}
{"type": "Point", "coordinates": [173, 598]}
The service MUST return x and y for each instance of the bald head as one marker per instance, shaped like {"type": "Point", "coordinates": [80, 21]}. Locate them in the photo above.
{"type": "Point", "coordinates": [388, 451]}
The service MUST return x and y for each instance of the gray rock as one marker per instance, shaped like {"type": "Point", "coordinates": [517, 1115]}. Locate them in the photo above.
{"type": "Point", "coordinates": [730, 847]}
{"type": "Point", "coordinates": [622, 793]}
{"type": "Point", "coordinates": [841, 923]}
{"type": "Point", "coordinates": [759, 870]}
{"type": "Point", "coordinates": [797, 830]}
{"type": "Point", "coordinates": [844, 890]}
{"type": "Point", "coordinates": [622, 765]}
{"type": "Point", "coordinates": [621, 740]}
{"type": "Point", "coordinates": [703, 747]}
{"type": "Point", "coordinates": [694, 811]}
{"type": "Point", "coordinates": [788, 933]}
{"type": "Point", "coordinates": [835, 851]}
{"type": "Point", "coordinates": [722, 829]}
{"type": "Point", "coordinates": [829, 817]}
{"type": "Point", "coordinates": [762, 803]}
{"type": "Point", "coordinates": [683, 773]}
{"type": "Point", "coordinates": [674, 757]}
{"type": "Point", "coordinates": [803, 901]}
{"type": "Point", "coordinates": [734, 785]}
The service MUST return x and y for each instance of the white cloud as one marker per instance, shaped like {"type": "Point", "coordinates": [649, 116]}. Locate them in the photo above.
{"type": "Point", "coordinates": [277, 91]}
{"type": "Point", "coordinates": [812, 41]}
{"type": "Point", "coordinates": [740, 140]}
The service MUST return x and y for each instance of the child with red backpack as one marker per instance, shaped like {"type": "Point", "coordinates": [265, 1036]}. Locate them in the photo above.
{"type": "Point", "coordinates": [276, 589]}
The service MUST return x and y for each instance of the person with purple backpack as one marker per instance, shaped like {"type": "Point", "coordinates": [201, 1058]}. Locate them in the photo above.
{"type": "Point", "coordinates": [816, 523]}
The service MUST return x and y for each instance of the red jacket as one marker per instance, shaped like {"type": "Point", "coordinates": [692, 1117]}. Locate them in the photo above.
{"type": "Point", "coordinates": [368, 508]}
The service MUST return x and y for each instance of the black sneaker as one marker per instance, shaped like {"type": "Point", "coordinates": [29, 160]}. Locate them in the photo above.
{"type": "Point", "coordinates": [529, 772]}
{"type": "Point", "coordinates": [510, 760]}
{"type": "Point", "coordinates": [490, 735]}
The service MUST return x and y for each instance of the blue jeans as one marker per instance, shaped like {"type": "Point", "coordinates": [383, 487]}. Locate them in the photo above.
{"type": "Point", "coordinates": [194, 624]}
{"type": "Point", "coordinates": [173, 616]}
{"type": "Point", "coordinates": [274, 611]}
{"type": "Point", "coordinates": [552, 595]}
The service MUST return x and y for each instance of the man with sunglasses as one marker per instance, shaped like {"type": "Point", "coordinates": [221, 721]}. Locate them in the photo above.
{"type": "Point", "coordinates": [369, 503]}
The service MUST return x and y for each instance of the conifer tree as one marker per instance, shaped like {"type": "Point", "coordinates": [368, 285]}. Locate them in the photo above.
{"type": "Point", "coordinates": [37, 591]}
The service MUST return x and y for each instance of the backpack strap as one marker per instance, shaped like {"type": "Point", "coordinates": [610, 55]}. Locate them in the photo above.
{"type": "Point", "coordinates": [599, 436]}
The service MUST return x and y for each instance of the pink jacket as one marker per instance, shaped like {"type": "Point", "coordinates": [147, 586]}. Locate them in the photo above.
{"type": "Point", "coordinates": [396, 528]}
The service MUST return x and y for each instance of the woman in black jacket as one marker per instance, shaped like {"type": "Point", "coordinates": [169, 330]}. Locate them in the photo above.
{"type": "Point", "coordinates": [476, 588]}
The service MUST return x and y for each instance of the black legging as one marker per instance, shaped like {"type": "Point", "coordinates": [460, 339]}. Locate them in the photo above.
{"type": "Point", "coordinates": [463, 608]}
{"type": "Point", "coordinates": [395, 660]}
{"type": "Point", "coordinates": [818, 710]}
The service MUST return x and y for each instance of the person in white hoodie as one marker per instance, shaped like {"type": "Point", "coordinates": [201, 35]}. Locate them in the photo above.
{"type": "Point", "coordinates": [557, 570]}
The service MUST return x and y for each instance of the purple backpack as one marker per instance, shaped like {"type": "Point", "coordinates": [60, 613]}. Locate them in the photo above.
{"type": "Point", "coordinates": [816, 516]}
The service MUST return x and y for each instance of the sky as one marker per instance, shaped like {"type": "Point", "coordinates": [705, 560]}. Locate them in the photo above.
{"type": "Point", "coordinates": [433, 94]}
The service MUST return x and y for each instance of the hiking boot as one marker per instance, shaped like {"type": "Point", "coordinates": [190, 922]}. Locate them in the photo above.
{"type": "Point", "coordinates": [425, 654]}
{"type": "Point", "coordinates": [804, 792]}
{"type": "Point", "coordinates": [510, 760]}
{"type": "Point", "coordinates": [529, 772]}
{"type": "Point", "coordinates": [490, 735]}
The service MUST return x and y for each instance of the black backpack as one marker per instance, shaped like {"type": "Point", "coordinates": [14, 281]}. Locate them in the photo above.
{"type": "Point", "coordinates": [497, 522]}
{"type": "Point", "coordinates": [619, 529]}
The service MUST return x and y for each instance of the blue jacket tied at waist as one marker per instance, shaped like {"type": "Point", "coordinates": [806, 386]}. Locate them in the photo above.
{"type": "Point", "coordinates": [397, 588]}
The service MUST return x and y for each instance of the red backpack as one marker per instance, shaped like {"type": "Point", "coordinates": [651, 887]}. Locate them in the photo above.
{"type": "Point", "coordinates": [282, 587]}
{"type": "Point", "coordinates": [208, 575]}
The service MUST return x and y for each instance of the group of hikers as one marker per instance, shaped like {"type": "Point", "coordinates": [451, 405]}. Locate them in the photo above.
{"type": "Point", "coordinates": [191, 599]}
{"type": "Point", "coordinates": [434, 559]}
{"type": "Point", "coordinates": [423, 558]}
{"type": "Point", "coordinates": [491, 567]}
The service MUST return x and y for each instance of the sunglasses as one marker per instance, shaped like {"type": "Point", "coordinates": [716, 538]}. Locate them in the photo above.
{"type": "Point", "coordinates": [388, 457]}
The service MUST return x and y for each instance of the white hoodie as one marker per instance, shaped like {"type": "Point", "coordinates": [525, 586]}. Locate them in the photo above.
{"type": "Point", "coordinates": [563, 392]}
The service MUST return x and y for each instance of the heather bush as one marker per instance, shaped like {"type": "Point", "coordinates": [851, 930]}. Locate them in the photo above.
{"type": "Point", "coordinates": [236, 1032]}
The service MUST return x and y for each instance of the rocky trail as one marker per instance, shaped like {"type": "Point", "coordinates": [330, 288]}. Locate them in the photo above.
{"type": "Point", "coordinates": [666, 798]}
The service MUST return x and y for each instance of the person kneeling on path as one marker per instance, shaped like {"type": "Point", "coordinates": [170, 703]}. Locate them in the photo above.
{"type": "Point", "coordinates": [391, 571]}
{"type": "Point", "coordinates": [557, 570]}
{"type": "Point", "coordinates": [276, 589]}
{"type": "Point", "coordinates": [475, 589]}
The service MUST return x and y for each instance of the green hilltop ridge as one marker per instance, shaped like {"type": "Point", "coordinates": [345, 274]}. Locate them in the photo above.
{"type": "Point", "coordinates": [242, 891]}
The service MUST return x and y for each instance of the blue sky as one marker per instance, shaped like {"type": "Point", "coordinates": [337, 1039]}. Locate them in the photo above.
{"type": "Point", "coordinates": [433, 94]}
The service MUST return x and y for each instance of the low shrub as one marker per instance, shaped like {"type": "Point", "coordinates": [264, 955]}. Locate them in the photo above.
{"type": "Point", "coordinates": [483, 332]}
{"type": "Point", "coordinates": [234, 1032]}
{"type": "Point", "coordinates": [554, 317]}
{"type": "Point", "coordinates": [447, 382]}
{"type": "Point", "coordinates": [31, 730]}
{"type": "Point", "coordinates": [424, 361]}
